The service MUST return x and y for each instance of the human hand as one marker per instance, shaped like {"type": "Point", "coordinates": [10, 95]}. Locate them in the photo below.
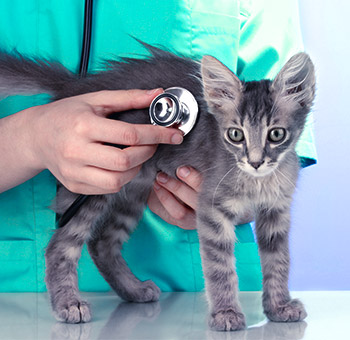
{"type": "Point", "coordinates": [175, 201]}
{"type": "Point", "coordinates": [68, 139]}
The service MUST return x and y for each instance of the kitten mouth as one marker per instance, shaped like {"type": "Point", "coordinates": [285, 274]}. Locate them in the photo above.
{"type": "Point", "coordinates": [260, 172]}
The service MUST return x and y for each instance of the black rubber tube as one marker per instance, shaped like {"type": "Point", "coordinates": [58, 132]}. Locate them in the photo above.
{"type": "Point", "coordinates": [85, 51]}
{"type": "Point", "coordinates": [84, 63]}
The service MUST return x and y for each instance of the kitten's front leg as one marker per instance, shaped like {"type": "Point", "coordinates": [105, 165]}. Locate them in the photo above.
{"type": "Point", "coordinates": [217, 237]}
{"type": "Point", "coordinates": [272, 228]}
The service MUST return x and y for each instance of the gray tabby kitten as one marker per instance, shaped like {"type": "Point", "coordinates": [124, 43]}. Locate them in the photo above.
{"type": "Point", "coordinates": [243, 143]}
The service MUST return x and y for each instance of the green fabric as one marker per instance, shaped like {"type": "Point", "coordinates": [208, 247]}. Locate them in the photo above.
{"type": "Point", "coordinates": [254, 40]}
{"type": "Point", "coordinates": [270, 35]}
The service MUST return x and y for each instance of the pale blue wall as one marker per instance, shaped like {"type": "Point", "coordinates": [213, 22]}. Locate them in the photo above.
{"type": "Point", "coordinates": [320, 240]}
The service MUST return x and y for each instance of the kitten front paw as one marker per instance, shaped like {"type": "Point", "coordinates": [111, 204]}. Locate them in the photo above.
{"type": "Point", "coordinates": [292, 311]}
{"type": "Point", "coordinates": [227, 320]}
{"type": "Point", "coordinates": [146, 291]}
{"type": "Point", "coordinates": [75, 312]}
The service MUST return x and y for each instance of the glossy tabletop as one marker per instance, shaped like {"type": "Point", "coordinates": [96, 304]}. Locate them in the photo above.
{"type": "Point", "coordinates": [175, 316]}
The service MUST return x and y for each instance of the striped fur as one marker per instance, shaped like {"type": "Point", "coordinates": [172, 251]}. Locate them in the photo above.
{"type": "Point", "coordinates": [254, 175]}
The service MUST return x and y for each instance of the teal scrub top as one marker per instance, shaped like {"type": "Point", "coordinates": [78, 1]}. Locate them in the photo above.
{"type": "Point", "coordinates": [254, 38]}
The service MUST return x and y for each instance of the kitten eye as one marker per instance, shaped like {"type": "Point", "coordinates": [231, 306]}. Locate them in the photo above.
{"type": "Point", "coordinates": [277, 135]}
{"type": "Point", "coordinates": [235, 135]}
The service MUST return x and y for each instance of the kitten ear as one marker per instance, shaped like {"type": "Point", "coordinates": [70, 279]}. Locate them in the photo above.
{"type": "Point", "coordinates": [221, 86]}
{"type": "Point", "coordinates": [296, 81]}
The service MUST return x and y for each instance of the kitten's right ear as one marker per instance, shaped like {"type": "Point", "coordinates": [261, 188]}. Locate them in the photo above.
{"type": "Point", "coordinates": [222, 88]}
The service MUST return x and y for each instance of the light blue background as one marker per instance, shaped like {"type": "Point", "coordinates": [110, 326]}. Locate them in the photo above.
{"type": "Point", "coordinates": [320, 238]}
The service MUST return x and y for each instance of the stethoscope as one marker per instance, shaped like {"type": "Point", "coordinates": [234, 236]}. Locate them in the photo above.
{"type": "Point", "coordinates": [175, 107]}
{"type": "Point", "coordinates": [84, 63]}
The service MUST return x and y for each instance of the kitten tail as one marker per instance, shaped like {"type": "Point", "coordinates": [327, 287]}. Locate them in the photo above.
{"type": "Point", "coordinates": [21, 75]}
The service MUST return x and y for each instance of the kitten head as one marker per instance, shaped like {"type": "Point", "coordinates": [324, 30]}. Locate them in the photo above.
{"type": "Point", "coordinates": [260, 121]}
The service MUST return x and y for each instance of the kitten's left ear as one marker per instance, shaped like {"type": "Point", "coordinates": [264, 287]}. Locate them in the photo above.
{"type": "Point", "coordinates": [222, 88]}
{"type": "Point", "coordinates": [296, 81]}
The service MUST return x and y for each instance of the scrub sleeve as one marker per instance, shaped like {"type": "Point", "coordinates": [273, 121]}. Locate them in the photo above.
{"type": "Point", "coordinates": [253, 38]}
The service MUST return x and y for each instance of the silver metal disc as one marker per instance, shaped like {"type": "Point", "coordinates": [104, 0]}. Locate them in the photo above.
{"type": "Point", "coordinates": [180, 109]}
{"type": "Point", "coordinates": [189, 108]}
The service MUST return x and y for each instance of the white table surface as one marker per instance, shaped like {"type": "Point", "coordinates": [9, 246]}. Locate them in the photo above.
{"type": "Point", "coordinates": [175, 316]}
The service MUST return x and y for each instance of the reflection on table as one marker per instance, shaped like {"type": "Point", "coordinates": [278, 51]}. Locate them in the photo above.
{"type": "Point", "coordinates": [175, 316]}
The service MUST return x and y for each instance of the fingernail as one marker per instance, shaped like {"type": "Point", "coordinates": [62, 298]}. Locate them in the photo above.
{"type": "Point", "coordinates": [177, 138]}
{"type": "Point", "coordinates": [150, 92]}
{"type": "Point", "coordinates": [162, 178]}
{"type": "Point", "coordinates": [184, 171]}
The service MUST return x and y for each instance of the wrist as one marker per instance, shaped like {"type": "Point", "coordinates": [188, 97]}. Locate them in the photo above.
{"type": "Point", "coordinates": [27, 134]}
{"type": "Point", "coordinates": [31, 133]}
{"type": "Point", "coordinates": [18, 160]}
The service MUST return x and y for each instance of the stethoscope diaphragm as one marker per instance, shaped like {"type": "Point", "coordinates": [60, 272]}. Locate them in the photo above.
{"type": "Point", "coordinates": [175, 107]}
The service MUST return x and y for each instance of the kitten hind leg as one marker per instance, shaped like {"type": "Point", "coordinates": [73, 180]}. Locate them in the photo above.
{"type": "Point", "coordinates": [105, 249]}
{"type": "Point", "coordinates": [62, 255]}
{"type": "Point", "coordinates": [272, 227]}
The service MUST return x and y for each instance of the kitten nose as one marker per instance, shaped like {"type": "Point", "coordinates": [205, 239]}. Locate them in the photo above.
{"type": "Point", "coordinates": [256, 165]}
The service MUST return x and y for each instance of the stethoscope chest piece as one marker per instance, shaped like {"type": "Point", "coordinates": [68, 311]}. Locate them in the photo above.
{"type": "Point", "coordinates": [175, 107]}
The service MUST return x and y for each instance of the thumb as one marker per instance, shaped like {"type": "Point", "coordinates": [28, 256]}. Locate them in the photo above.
{"type": "Point", "coordinates": [105, 102]}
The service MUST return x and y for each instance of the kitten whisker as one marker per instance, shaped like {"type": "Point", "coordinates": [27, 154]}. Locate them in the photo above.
{"type": "Point", "coordinates": [286, 178]}
{"type": "Point", "coordinates": [217, 187]}
{"type": "Point", "coordinates": [205, 170]}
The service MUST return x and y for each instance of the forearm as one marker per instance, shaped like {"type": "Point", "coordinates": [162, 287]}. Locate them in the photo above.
{"type": "Point", "coordinates": [69, 137]}
{"type": "Point", "coordinates": [18, 162]}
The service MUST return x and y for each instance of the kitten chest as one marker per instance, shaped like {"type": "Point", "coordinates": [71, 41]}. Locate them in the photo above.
{"type": "Point", "coordinates": [252, 193]}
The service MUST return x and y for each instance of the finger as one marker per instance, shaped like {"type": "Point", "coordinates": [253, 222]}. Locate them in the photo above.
{"type": "Point", "coordinates": [190, 176]}
{"type": "Point", "coordinates": [156, 206]}
{"type": "Point", "coordinates": [122, 133]}
{"type": "Point", "coordinates": [84, 188]}
{"type": "Point", "coordinates": [114, 159]}
{"type": "Point", "coordinates": [165, 205]}
{"type": "Point", "coordinates": [105, 102]}
{"type": "Point", "coordinates": [106, 182]}
{"type": "Point", "coordinates": [181, 190]}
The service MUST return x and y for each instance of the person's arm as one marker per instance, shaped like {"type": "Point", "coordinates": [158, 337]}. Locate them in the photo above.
{"type": "Point", "coordinates": [270, 35]}
{"type": "Point", "coordinates": [67, 137]}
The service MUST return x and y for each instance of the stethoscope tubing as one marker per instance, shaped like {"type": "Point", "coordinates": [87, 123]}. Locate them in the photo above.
{"type": "Point", "coordinates": [84, 64]}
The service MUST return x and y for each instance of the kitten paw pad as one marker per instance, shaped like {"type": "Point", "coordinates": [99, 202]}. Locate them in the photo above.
{"type": "Point", "coordinates": [76, 312]}
{"type": "Point", "coordinates": [147, 291]}
{"type": "Point", "coordinates": [292, 311]}
{"type": "Point", "coordinates": [227, 320]}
